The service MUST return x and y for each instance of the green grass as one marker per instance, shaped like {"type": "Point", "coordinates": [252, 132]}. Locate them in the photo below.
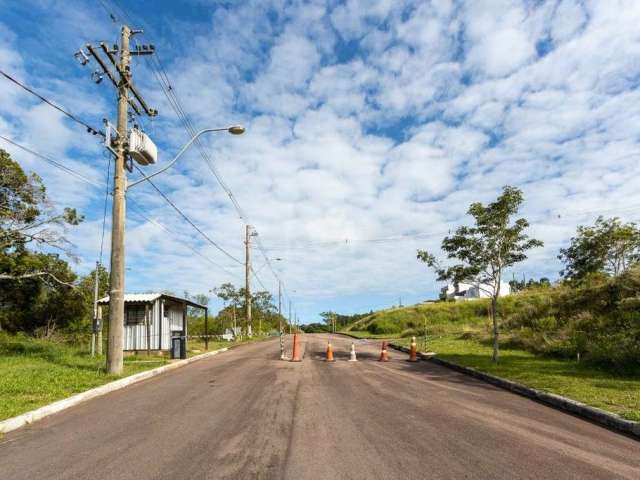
{"type": "Point", "coordinates": [36, 372]}
{"type": "Point", "coordinates": [603, 389]}
{"type": "Point", "coordinates": [365, 334]}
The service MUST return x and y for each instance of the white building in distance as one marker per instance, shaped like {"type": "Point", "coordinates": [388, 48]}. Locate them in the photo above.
{"type": "Point", "coordinates": [471, 291]}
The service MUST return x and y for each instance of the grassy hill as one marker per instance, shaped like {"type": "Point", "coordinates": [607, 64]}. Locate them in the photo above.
{"type": "Point", "coordinates": [439, 318]}
{"type": "Point", "coordinates": [581, 341]}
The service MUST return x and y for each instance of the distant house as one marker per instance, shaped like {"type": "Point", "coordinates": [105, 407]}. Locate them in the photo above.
{"type": "Point", "coordinates": [470, 291]}
{"type": "Point", "coordinates": [152, 319]}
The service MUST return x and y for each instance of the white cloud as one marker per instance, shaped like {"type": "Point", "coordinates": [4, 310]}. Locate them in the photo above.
{"type": "Point", "coordinates": [430, 106]}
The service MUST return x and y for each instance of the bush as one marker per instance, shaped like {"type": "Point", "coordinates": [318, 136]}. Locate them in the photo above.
{"type": "Point", "coordinates": [384, 326]}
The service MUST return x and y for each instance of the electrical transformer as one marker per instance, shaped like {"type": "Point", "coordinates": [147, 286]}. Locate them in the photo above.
{"type": "Point", "coordinates": [141, 148]}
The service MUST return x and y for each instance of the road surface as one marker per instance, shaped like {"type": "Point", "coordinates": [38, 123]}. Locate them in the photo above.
{"type": "Point", "coordinates": [245, 414]}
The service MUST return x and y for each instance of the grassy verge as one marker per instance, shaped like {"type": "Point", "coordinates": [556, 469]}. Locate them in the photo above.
{"type": "Point", "coordinates": [603, 389]}
{"type": "Point", "coordinates": [36, 372]}
{"type": "Point", "coordinates": [365, 334]}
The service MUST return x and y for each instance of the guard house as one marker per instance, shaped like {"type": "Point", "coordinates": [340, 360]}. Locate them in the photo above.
{"type": "Point", "coordinates": [152, 319]}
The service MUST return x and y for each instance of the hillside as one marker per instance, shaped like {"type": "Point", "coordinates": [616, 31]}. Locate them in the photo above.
{"type": "Point", "coordinates": [580, 342]}
{"type": "Point", "coordinates": [598, 321]}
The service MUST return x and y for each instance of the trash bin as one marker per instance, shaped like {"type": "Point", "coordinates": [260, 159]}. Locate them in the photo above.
{"type": "Point", "coordinates": [179, 347]}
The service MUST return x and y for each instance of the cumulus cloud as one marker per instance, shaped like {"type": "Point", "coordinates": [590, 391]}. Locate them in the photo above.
{"type": "Point", "coordinates": [371, 126]}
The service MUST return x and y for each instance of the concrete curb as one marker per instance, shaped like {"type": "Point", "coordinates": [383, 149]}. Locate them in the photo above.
{"type": "Point", "coordinates": [601, 417]}
{"type": "Point", "coordinates": [14, 423]}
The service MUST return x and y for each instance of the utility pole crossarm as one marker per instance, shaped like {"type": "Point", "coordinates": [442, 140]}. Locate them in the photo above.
{"type": "Point", "coordinates": [149, 111]}
{"type": "Point", "coordinates": [108, 73]}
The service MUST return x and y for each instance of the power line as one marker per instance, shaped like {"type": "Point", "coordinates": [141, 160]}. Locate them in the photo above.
{"type": "Point", "coordinates": [104, 213]}
{"type": "Point", "coordinates": [52, 162]}
{"type": "Point", "coordinates": [139, 212]}
{"type": "Point", "coordinates": [89, 128]}
{"type": "Point", "coordinates": [188, 220]}
{"type": "Point", "coordinates": [169, 91]}
{"type": "Point", "coordinates": [138, 209]}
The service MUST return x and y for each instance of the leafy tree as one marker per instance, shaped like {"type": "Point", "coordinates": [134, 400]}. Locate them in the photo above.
{"type": "Point", "coordinates": [609, 246]}
{"type": "Point", "coordinates": [228, 293]}
{"type": "Point", "coordinates": [521, 285]}
{"type": "Point", "coordinates": [37, 303]}
{"type": "Point", "coordinates": [26, 216]}
{"type": "Point", "coordinates": [263, 308]}
{"type": "Point", "coordinates": [486, 249]}
{"type": "Point", "coordinates": [37, 290]}
{"type": "Point", "coordinates": [86, 290]}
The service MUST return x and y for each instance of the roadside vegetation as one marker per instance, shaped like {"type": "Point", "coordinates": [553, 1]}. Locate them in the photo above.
{"type": "Point", "coordinates": [35, 371]}
{"type": "Point", "coordinates": [578, 336]}
{"type": "Point", "coordinates": [579, 342]}
{"type": "Point", "coordinates": [47, 309]}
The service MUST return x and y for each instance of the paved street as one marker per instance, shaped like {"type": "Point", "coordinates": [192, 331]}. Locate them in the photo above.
{"type": "Point", "coordinates": [244, 414]}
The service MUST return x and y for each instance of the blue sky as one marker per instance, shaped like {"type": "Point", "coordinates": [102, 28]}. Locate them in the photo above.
{"type": "Point", "coordinates": [371, 126]}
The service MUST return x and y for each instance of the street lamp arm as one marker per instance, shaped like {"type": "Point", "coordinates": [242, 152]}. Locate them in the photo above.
{"type": "Point", "coordinates": [234, 130]}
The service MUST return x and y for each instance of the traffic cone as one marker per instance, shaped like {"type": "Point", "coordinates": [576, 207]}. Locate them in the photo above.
{"type": "Point", "coordinates": [329, 353]}
{"type": "Point", "coordinates": [413, 350]}
{"type": "Point", "coordinates": [352, 357]}
{"type": "Point", "coordinates": [295, 355]}
{"type": "Point", "coordinates": [384, 356]}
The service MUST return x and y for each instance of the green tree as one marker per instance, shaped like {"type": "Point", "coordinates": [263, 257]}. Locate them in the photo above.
{"type": "Point", "coordinates": [33, 303]}
{"type": "Point", "coordinates": [486, 249]}
{"type": "Point", "coordinates": [26, 215]}
{"type": "Point", "coordinates": [609, 246]}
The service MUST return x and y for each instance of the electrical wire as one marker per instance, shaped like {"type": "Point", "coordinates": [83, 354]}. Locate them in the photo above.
{"type": "Point", "coordinates": [169, 91]}
{"type": "Point", "coordinates": [53, 162]}
{"type": "Point", "coordinates": [188, 220]}
{"type": "Point", "coordinates": [137, 208]}
{"type": "Point", "coordinates": [89, 128]}
{"type": "Point", "coordinates": [104, 213]}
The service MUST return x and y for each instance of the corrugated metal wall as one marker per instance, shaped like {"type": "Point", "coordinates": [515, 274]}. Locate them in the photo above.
{"type": "Point", "coordinates": [135, 336]}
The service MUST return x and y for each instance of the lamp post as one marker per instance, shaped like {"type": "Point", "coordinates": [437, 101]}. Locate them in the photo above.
{"type": "Point", "coordinates": [233, 130]}
{"type": "Point", "coordinates": [116, 297]}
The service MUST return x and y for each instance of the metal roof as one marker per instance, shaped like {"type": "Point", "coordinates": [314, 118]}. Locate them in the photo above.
{"type": "Point", "coordinates": [135, 297]}
{"type": "Point", "coordinates": [150, 297]}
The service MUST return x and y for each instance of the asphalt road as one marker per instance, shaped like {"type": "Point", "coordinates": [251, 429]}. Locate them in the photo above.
{"type": "Point", "coordinates": [245, 414]}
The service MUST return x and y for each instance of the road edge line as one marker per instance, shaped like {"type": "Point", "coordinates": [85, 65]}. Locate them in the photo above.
{"type": "Point", "coordinates": [593, 414]}
{"type": "Point", "coordinates": [13, 423]}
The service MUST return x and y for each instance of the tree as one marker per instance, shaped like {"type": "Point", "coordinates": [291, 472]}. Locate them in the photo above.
{"type": "Point", "coordinates": [486, 249]}
{"type": "Point", "coordinates": [262, 302]}
{"type": "Point", "coordinates": [34, 303]}
{"type": "Point", "coordinates": [227, 293]}
{"type": "Point", "coordinates": [27, 217]}
{"type": "Point", "coordinates": [521, 285]}
{"type": "Point", "coordinates": [609, 246]}
{"type": "Point", "coordinates": [36, 289]}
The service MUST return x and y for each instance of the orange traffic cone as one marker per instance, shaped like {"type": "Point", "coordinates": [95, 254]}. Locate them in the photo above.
{"type": "Point", "coordinates": [413, 350]}
{"type": "Point", "coordinates": [329, 353]}
{"type": "Point", "coordinates": [295, 355]}
{"type": "Point", "coordinates": [384, 356]}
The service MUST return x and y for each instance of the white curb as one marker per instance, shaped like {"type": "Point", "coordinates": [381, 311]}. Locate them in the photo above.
{"type": "Point", "coordinates": [26, 418]}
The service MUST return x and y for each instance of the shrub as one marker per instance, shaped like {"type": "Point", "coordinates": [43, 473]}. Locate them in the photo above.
{"type": "Point", "coordinates": [384, 326]}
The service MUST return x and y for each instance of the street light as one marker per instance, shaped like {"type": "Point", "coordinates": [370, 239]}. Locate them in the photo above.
{"type": "Point", "coordinates": [233, 130]}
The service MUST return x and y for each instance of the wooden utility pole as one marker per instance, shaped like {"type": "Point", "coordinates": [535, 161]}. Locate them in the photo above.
{"type": "Point", "coordinates": [247, 277]}
{"type": "Point", "coordinates": [235, 327]}
{"type": "Point", "coordinates": [96, 322]}
{"type": "Point", "coordinates": [120, 59]}
{"type": "Point", "coordinates": [116, 291]}
{"type": "Point", "coordinates": [280, 304]}
{"type": "Point", "coordinates": [289, 316]}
